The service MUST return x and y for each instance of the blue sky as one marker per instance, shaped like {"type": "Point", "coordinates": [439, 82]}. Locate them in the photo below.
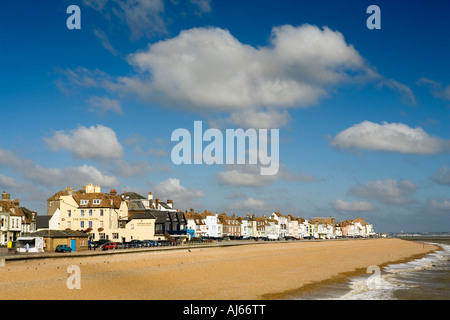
{"type": "Point", "coordinates": [363, 114]}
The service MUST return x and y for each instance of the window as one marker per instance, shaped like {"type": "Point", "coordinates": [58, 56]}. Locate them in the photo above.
{"type": "Point", "coordinates": [68, 224]}
{"type": "Point", "coordinates": [96, 201]}
{"type": "Point", "coordinates": [115, 236]}
{"type": "Point", "coordinates": [82, 213]}
{"type": "Point", "coordinates": [90, 224]}
{"type": "Point", "coordinates": [90, 213]}
{"type": "Point", "coordinates": [101, 224]}
{"type": "Point", "coordinates": [69, 213]}
{"type": "Point", "coordinates": [101, 212]}
{"type": "Point", "coordinates": [84, 202]}
{"type": "Point", "coordinates": [81, 224]}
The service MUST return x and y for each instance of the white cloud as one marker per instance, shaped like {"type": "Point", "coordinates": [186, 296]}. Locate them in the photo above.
{"type": "Point", "coordinates": [143, 17]}
{"type": "Point", "coordinates": [248, 205]}
{"type": "Point", "coordinates": [55, 177]}
{"type": "Point", "coordinates": [105, 42]}
{"type": "Point", "coordinates": [249, 176]}
{"type": "Point", "coordinates": [387, 191]}
{"type": "Point", "coordinates": [103, 105]}
{"type": "Point", "coordinates": [436, 88]}
{"type": "Point", "coordinates": [146, 18]}
{"type": "Point", "coordinates": [171, 188]}
{"type": "Point", "coordinates": [262, 119]}
{"type": "Point", "coordinates": [353, 205]}
{"type": "Point", "coordinates": [95, 142]}
{"type": "Point", "coordinates": [204, 6]}
{"type": "Point", "coordinates": [393, 137]}
{"type": "Point", "coordinates": [404, 91]}
{"type": "Point", "coordinates": [442, 205]}
{"type": "Point", "coordinates": [442, 176]}
{"type": "Point", "coordinates": [126, 169]}
{"type": "Point", "coordinates": [209, 69]}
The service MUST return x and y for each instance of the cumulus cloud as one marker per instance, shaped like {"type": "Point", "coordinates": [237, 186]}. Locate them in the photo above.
{"type": "Point", "coordinates": [353, 205]}
{"type": "Point", "coordinates": [51, 177]}
{"type": "Point", "coordinates": [171, 188]}
{"type": "Point", "coordinates": [386, 191]}
{"type": "Point", "coordinates": [250, 176]}
{"type": "Point", "coordinates": [442, 176]}
{"type": "Point", "coordinates": [209, 68]}
{"type": "Point", "coordinates": [96, 142]}
{"type": "Point", "coordinates": [393, 137]}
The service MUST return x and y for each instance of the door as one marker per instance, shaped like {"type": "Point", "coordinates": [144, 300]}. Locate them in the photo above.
{"type": "Point", "coordinates": [72, 244]}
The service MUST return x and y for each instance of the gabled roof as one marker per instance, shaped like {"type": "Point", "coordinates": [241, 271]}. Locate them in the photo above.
{"type": "Point", "coordinates": [57, 195]}
{"type": "Point", "coordinates": [330, 220]}
{"type": "Point", "coordinates": [58, 234]}
{"type": "Point", "coordinates": [42, 222]}
{"type": "Point", "coordinates": [132, 196]}
{"type": "Point", "coordinates": [106, 200]}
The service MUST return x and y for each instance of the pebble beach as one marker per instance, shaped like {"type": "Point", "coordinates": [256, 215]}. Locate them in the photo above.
{"type": "Point", "coordinates": [247, 272]}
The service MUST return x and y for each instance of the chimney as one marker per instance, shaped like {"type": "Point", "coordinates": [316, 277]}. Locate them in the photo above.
{"type": "Point", "coordinates": [170, 203]}
{"type": "Point", "coordinates": [150, 200]}
{"type": "Point", "coordinates": [157, 203]}
{"type": "Point", "coordinates": [6, 196]}
{"type": "Point", "coordinates": [113, 192]}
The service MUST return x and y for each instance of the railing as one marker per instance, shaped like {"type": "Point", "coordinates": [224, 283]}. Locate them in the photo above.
{"type": "Point", "coordinates": [177, 232]}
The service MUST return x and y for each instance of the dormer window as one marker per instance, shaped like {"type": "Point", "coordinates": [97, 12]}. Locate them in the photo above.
{"type": "Point", "coordinates": [84, 202]}
{"type": "Point", "coordinates": [96, 201]}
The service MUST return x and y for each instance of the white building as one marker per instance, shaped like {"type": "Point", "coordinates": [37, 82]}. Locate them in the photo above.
{"type": "Point", "coordinates": [303, 230]}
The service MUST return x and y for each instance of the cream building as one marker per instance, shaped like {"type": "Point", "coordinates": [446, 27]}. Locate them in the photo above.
{"type": "Point", "coordinates": [94, 212]}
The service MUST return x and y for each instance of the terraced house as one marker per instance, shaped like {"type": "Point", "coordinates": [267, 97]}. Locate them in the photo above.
{"type": "Point", "coordinates": [14, 219]}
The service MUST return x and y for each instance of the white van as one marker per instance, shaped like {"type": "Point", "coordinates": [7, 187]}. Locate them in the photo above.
{"type": "Point", "coordinates": [30, 244]}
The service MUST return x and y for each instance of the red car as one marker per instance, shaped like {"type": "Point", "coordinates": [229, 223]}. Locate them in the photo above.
{"type": "Point", "coordinates": [109, 245]}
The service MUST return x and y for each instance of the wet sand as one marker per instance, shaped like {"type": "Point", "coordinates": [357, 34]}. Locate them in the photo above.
{"type": "Point", "coordinates": [253, 271]}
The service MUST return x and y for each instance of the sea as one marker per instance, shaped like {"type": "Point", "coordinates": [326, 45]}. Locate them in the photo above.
{"type": "Point", "coordinates": [427, 278]}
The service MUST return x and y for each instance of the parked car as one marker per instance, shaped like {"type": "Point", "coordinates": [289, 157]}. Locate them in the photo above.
{"type": "Point", "coordinates": [149, 243]}
{"type": "Point", "coordinates": [137, 243]}
{"type": "Point", "coordinates": [109, 245]}
{"type": "Point", "coordinates": [63, 248]}
{"type": "Point", "coordinates": [98, 243]}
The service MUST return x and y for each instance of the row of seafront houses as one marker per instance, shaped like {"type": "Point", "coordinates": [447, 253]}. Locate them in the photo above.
{"type": "Point", "coordinates": [75, 217]}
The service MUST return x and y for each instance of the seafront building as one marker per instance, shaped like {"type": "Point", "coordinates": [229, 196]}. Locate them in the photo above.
{"type": "Point", "coordinates": [14, 219]}
{"type": "Point", "coordinates": [129, 216]}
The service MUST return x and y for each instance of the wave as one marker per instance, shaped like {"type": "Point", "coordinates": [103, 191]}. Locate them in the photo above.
{"type": "Point", "coordinates": [395, 277]}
